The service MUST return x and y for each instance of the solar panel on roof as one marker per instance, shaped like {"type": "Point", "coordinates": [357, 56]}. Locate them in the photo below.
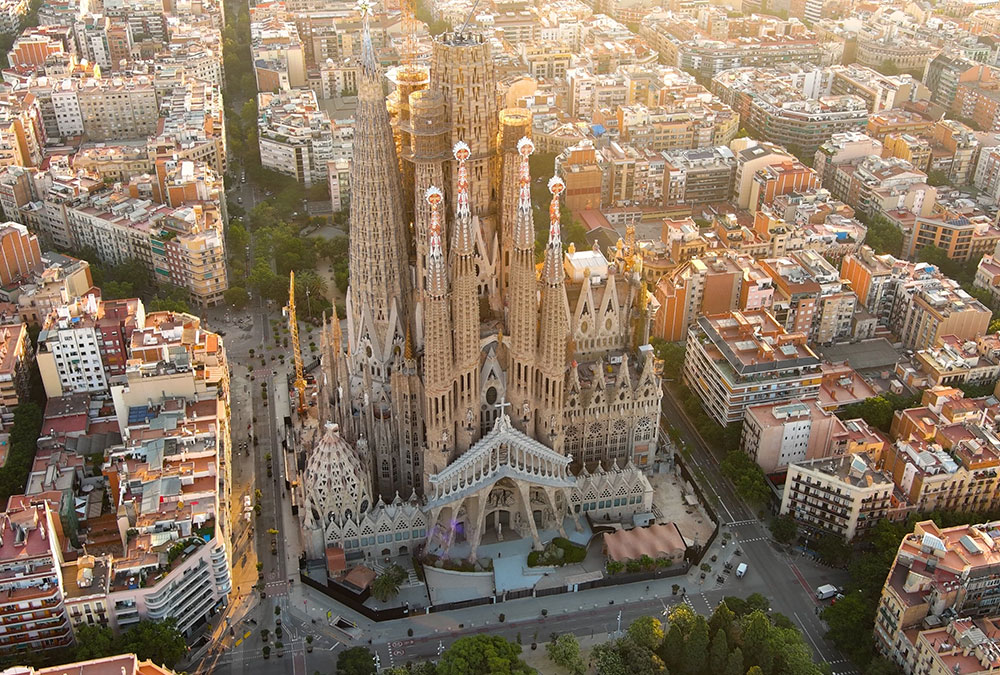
{"type": "Point", "coordinates": [138, 413]}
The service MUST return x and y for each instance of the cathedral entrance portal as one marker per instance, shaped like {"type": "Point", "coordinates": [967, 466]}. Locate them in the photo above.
{"type": "Point", "coordinates": [500, 520]}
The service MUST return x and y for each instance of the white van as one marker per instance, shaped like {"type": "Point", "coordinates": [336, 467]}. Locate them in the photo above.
{"type": "Point", "coordinates": [741, 570]}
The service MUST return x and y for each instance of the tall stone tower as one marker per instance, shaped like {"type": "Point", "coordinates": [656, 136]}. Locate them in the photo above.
{"type": "Point", "coordinates": [553, 334]}
{"type": "Point", "coordinates": [429, 150]}
{"type": "Point", "coordinates": [522, 302]}
{"type": "Point", "coordinates": [465, 307]}
{"type": "Point", "coordinates": [378, 299]}
{"type": "Point", "coordinates": [515, 125]}
{"type": "Point", "coordinates": [462, 70]}
{"type": "Point", "coordinates": [406, 79]}
{"type": "Point", "coordinates": [439, 358]}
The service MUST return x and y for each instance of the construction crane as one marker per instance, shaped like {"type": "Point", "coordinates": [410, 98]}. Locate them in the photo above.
{"type": "Point", "coordinates": [293, 325]}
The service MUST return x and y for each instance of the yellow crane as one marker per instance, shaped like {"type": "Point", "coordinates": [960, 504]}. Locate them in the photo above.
{"type": "Point", "coordinates": [293, 325]}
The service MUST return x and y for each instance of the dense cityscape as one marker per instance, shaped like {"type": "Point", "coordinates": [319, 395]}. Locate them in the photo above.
{"type": "Point", "coordinates": [475, 337]}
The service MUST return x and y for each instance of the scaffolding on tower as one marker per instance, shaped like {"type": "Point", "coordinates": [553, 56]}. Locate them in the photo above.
{"type": "Point", "coordinates": [293, 325]}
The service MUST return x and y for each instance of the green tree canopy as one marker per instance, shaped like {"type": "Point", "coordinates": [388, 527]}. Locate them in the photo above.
{"type": "Point", "coordinates": [564, 651]}
{"type": "Point", "coordinates": [647, 631]}
{"type": "Point", "coordinates": [93, 642]}
{"type": "Point", "coordinates": [833, 550]}
{"type": "Point", "coordinates": [483, 655]}
{"type": "Point", "coordinates": [876, 411]}
{"type": "Point", "coordinates": [156, 641]}
{"type": "Point", "coordinates": [356, 661]}
{"type": "Point", "coordinates": [783, 529]}
{"type": "Point", "coordinates": [733, 641]}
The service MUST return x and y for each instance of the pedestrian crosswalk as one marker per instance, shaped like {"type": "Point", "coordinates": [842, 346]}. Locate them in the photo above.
{"type": "Point", "coordinates": [843, 667]}
{"type": "Point", "coordinates": [742, 522]}
{"type": "Point", "coordinates": [749, 541]}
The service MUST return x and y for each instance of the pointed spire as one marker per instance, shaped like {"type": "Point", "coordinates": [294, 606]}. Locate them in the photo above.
{"type": "Point", "coordinates": [553, 273]}
{"type": "Point", "coordinates": [335, 321]}
{"type": "Point", "coordinates": [463, 242]}
{"type": "Point", "coordinates": [370, 67]}
{"type": "Point", "coordinates": [437, 274]}
{"type": "Point", "coordinates": [524, 227]}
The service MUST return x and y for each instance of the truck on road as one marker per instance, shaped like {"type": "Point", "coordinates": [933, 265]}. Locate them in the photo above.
{"type": "Point", "coordinates": [826, 591]}
{"type": "Point", "coordinates": [741, 570]}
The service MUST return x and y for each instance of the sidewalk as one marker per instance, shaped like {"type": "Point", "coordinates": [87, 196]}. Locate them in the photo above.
{"type": "Point", "coordinates": [441, 624]}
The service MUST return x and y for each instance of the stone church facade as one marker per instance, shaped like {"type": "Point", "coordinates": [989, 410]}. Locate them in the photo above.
{"type": "Point", "coordinates": [473, 390]}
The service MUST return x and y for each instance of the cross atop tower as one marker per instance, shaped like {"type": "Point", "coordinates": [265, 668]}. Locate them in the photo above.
{"type": "Point", "coordinates": [504, 403]}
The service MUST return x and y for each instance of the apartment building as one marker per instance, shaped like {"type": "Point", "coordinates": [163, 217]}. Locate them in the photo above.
{"type": "Point", "coordinates": [20, 255]}
{"type": "Point", "coordinates": [840, 149]}
{"type": "Point", "coordinates": [69, 350]}
{"type": "Point", "coordinates": [701, 176]}
{"type": "Point", "coordinates": [954, 362]}
{"type": "Point", "coordinates": [191, 128]}
{"type": "Point", "coordinates": [913, 149]}
{"type": "Point", "coordinates": [955, 146]}
{"type": "Point", "coordinates": [960, 237]}
{"type": "Point", "coordinates": [125, 664]}
{"type": "Point", "coordinates": [171, 405]}
{"type": "Point", "coordinates": [106, 109]}
{"type": "Point", "coordinates": [783, 178]}
{"type": "Point", "coordinates": [22, 131]}
{"type": "Point", "coordinates": [118, 163]}
{"type": "Point", "coordinates": [738, 359]}
{"type": "Point", "coordinates": [85, 341]}
{"type": "Point", "coordinates": [752, 156]}
{"type": "Point", "coordinates": [708, 58]}
{"type": "Point", "coordinates": [579, 167]}
{"type": "Point", "coordinates": [810, 297]}
{"type": "Point", "coordinates": [939, 310]}
{"type": "Point", "coordinates": [182, 246]}
{"type": "Point", "coordinates": [61, 279]}
{"type": "Point", "coordinates": [988, 274]}
{"type": "Point", "coordinates": [11, 12]}
{"type": "Point", "coordinates": [775, 105]}
{"type": "Point", "coordinates": [295, 135]}
{"type": "Point", "coordinates": [588, 93]}
{"type": "Point", "coordinates": [776, 435]}
{"type": "Point", "coordinates": [708, 284]}
{"type": "Point", "coordinates": [987, 175]}
{"type": "Point", "coordinates": [871, 278]}
{"type": "Point", "coordinates": [843, 495]}
{"type": "Point", "coordinates": [961, 646]}
{"type": "Point", "coordinates": [980, 102]}
{"type": "Point", "coordinates": [16, 358]}
{"type": "Point", "coordinates": [190, 253]}
{"type": "Point", "coordinates": [698, 122]}
{"type": "Point", "coordinates": [939, 574]}
{"type": "Point", "coordinates": [947, 71]}
{"type": "Point", "coordinates": [633, 175]}
{"type": "Point", "coordinates": [36, 44]}
{"type": "Point", "coordinates": [32, 606]}
{"type": "Point", "coordinates": [879, 92]}
{"type": "Point", "coordinates": [876, 185]}
{"type": "Point", "coordinates": [117, 227]}
{"type": "Point", "coordinates": [878, 47]}
{"type": "Point", "coordinates": [278, 54]}
{"type": "Point", "coordinates": [897, 120]}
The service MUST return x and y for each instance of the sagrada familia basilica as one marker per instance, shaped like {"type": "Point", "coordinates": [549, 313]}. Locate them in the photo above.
{"type": "Point", "coordinates": [474, 392]}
